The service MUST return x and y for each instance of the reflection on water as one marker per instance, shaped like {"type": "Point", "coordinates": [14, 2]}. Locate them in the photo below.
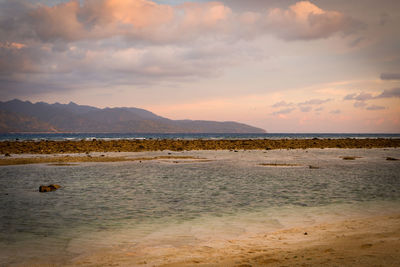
{"type": "Point", "coordinates": [135, 203]}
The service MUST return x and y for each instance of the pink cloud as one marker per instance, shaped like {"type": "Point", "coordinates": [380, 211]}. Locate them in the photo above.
{"type": "Point", "coordinates": [146, 20]}
{"type": "Point", "coordinates": [58, 22]}
{"type": "Point", "coordinates": [305, 20]}
{"type": "Point", "coordinates": [203, 14]}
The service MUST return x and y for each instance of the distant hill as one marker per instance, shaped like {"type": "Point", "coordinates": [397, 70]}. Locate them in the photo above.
{"type": "Point", "coordinates": [20, 116]}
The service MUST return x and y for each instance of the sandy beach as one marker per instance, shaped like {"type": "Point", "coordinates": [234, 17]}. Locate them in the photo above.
{"type": "Point", "coordinates": [369, 241]}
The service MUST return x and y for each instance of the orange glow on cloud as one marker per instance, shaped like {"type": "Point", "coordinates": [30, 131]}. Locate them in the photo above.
{"type": "Point", "coordinates": [139, 13]}
{"type": "Point", "coordinates": [12, 45]}
{"type": "Point", "coordinates": [207, 14]}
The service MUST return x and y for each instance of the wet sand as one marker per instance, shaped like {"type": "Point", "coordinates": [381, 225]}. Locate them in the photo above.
{"type": "Point", "coordinates": [372, 241]}
{"type": "Point", "coordinates": [67, 160]}
{"type": "Point", "coordinates": [53, 147]}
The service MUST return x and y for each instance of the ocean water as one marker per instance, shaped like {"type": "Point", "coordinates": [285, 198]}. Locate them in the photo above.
{"type": "Point", "coordinates": [116, 136]}
{"type": "Point", "coordinates": [176, 202]}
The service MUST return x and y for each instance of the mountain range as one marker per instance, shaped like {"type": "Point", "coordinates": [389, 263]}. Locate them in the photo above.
{"type": "Point", "coordinates": [24, 116]}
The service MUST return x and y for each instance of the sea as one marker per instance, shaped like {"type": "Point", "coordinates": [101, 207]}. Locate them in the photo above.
{"type": "Point", "coordinates": [172, 203]}
{"type": "Point", "coordinates": [116, 136]}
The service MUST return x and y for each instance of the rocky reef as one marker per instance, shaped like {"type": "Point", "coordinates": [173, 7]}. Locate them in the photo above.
{"type": "Point", "coordinates": [51, 147]}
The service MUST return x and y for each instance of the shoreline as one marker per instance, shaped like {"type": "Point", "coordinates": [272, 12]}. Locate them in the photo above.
{"type": "Point", "coordinates": [85, 146]}
{"type": "Point", "coordinates": [359, 241]}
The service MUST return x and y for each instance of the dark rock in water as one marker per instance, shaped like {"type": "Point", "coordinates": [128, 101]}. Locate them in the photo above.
{"type": "Point", "coordinates": [7, 155]}
{"type": "Point", "coordinates": [348, 158]}
{"type": "Point", "coordinates": [390, 158]}
{"type": "Point", "coordinates": [48, 188]}
{"type": "Point", "coordinates": [313, 167]}
{"type": "Point", "coordinates": [54, 186]}
{"type": "Point", "coordinates": [44, 188]}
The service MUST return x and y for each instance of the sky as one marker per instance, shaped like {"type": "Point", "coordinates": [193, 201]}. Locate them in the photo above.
{"type": "Point", "coordinates": [281, 65]}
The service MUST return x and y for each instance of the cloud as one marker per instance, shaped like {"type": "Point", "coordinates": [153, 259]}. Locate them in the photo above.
{"type": "Point", "coordinates": [8, 45]}
{"type": "Point", "coordinates": [390, 93]}
{"type": "Point", "coordinates": [390, 76]}
{"type": "Point", "coordinates": [128, 42]}
{"type": "Point", "coordinates": [282, 104]}
{"type": "Point", "coordinates": [337, 111]}
{"type": "Point", "coordinates": [359, 104]}
{"type": "Point", "coordinates": [305, 109]}
{"type": "Point", "coordinates": [384, 18]}
{"type": "Point", "coordinates": [135, 20]}
{"type": "Point", "coordinates": [284, 111]}
{"type": "Point", "coordinates": [146, 20]}
{"type": "Point", "coordinates": [359, 97]}
{"type": "Point", "coordinates": [305, 106]}
{"type": "Point", "coordinates": [362, 97]}
{"type": "Point", "coordinates": [314, 102]}
{"type": "Point", "coordinates": [375, 107]}
{"type": "Point", "coordinates": [306, 21]}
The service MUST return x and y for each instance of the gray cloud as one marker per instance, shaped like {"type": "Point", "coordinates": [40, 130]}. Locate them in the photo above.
{"type": "Point", "coordinates": [375, 107]}
{"type": "Point", "coordinates": [305, 109]}
{"type": "Point", "coordinates": [384, 18]}
{"type": "Point", "coordinates": [362, 98]}
{"type": "Point", "coordinates": [356, 41]}
{"type": "Point", "coordinates": [359, 104]}
{"type": "Point", "coordinates": [359, 97]}
{"type": "Point", "coordinates": [284, 111]}
{"type": "Point", "coordinates": [337, 111]}
{"type": "Point", "coordinates": [305, 106]}
{"type": "Point", "coordinates": [390, 93]}
{"type": "Point", "coordinates": [390, 76]}
{"type": "Point", "coordinates": [111, 64]}
{"type": "Point", "coordinates": [282, 104]}
{"type": "Point", "coordinates": [315, 102]}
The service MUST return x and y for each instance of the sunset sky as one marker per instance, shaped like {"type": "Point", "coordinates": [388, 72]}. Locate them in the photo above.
{"type": "Point", "coordinates": [282, 65]}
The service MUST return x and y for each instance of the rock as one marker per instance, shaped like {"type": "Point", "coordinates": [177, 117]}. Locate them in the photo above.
{"type": "Point", "coordinates": [7, 155]}
{"type": "Point", "coordinates": [48, 188]}
{"type": "Point", "coordinates": [44, 188]}
{"type": "Point", "coordinates": [54, 186]}
{"type": "Point", "coordinates": [349, 158]}
{"type": "Point", "coordinates": [390, 158]}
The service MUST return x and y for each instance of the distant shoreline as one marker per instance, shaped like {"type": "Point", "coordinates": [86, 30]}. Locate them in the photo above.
{"type": "Point", "coordinates": [83, 146]}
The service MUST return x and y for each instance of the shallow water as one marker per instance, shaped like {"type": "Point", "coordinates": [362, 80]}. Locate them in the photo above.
{"type": "Point", "coordinates": [117, 136]}
{"type": "Point", "coordinates": [102, 205]}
